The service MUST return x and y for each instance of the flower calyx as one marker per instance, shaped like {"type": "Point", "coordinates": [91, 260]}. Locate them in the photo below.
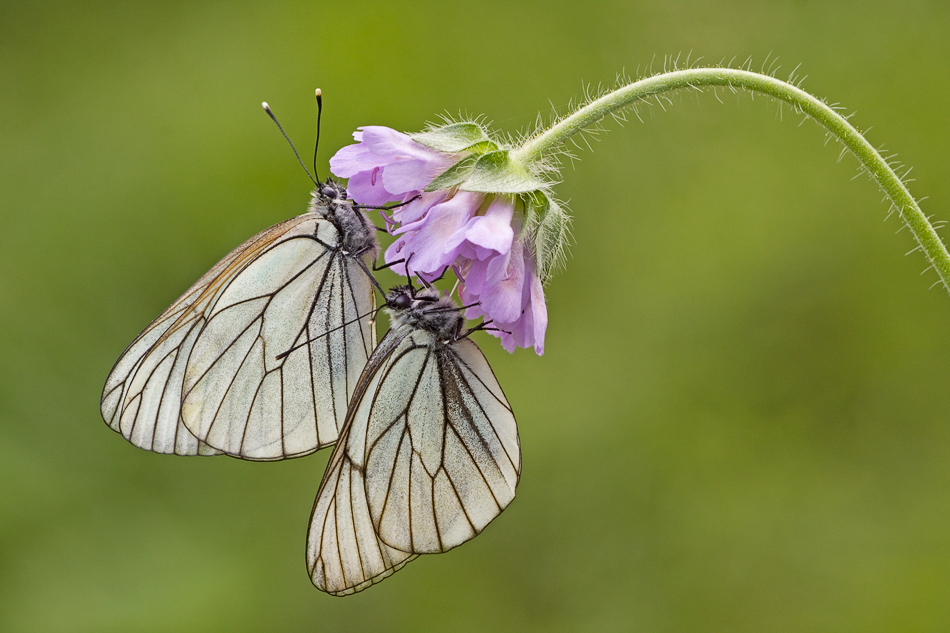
{"type": "Point", "coordinates": [546, 230]}
{"type": "Point", "coordinates": [487, 166]}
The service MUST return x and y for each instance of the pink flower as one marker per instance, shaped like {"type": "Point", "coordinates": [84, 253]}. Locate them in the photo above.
{"type": "Point", "coordinates": [386, 165]}
{"type": "Point", "coordinates": [476, 234]}
{"type": "Point", "coordinates": [512, 297]}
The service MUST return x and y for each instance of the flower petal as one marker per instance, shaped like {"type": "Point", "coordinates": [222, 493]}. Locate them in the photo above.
{"type": "Point", "coordinates": [504, 300]}
{"type": "Point", "coordinates": [413, 175]}
{"type": "Point", "coordinates": [366, 187]}
{"type": "Point", "coordinates": [493, 230]}
{"type": "Point", "coordinates": [433, 241]}
{"type": "Point", "coordinates": [387, 165]}
{"type": "Point", "coordinates": [390, 144]}
{"type": "Point", "coordinates": [516, 306]}
{"type": "Point", "coordinates": [350, 160]}
{"type": "Point", "coordinates": [416, 210]}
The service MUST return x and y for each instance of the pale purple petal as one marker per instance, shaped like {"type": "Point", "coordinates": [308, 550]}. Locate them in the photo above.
{"type": "Point", "coordinates": [539, 313]}
{"type": "Point", "coordinates": [388, 143]}
{"type": "Point", "coordinates": [397, 253]}
{"type": "Point", "coordinates": [475, 274]}
{"type": "Point", "coordinates": [487, 246]}
{"type": "Point", "coordinates": [414, 175]}
{"type": "Point", "coordinates": [503, 301]}
{"type": "Point", "coordinates": [529, 331]}
{"type": "Point", "coordinates": [366, 187]}
{"type": "Point", "coordinates": [521, 327]}
{"type": "Point", "coordinates": [434, 240]}
{"type": "Point", "coordinates": [496, 268]}
{"type": "Point", "coordinates": [387, 165]}
{"type": "Point", "coordinates": [483, 274]}
{"type": "Point", "coordinates": [404, 223]}
{"type": "Point", "coordinates": [415, 210]}
{"type": "Point", "coordinates": [492, 231]}
{"type": "Point", "coordinates": [352, 159]}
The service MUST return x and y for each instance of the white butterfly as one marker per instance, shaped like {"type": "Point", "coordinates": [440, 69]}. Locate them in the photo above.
{"type": "Point", "coordinates": [259, 357]}
{"type": "Point", "coordinates": [428, 456]}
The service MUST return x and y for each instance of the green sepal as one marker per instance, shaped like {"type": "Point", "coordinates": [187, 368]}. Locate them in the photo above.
{"type": "Point", "coordinates": [482, 147]}
{"type": "Point", "coordinates": [455, 138]}
{"type": "Point", "coordinates": [546, 228]}
{"type": "Point", "coordinates": [495, 172]}
{"type": "Point", "coordinates": [454, 175]}
{"type": "Point", "coordinates": [535, 204]}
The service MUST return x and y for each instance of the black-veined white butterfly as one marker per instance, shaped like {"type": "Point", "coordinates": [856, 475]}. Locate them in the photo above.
{"type": "Point", "coordinates": [428, 456]}
{"type": "Point", "coordinates": [210, 374]}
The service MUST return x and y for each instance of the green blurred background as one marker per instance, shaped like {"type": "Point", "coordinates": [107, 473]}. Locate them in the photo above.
{"type": "Point", "coordinates": [741, 422]}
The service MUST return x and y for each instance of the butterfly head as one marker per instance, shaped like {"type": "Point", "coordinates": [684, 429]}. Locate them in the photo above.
{"type": "Point", "coordinates": [425, 309]}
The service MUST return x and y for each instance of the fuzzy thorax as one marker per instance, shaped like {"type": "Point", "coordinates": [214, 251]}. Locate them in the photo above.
{"type": "Point", "coordinates": [358, 235]}
{"type": "Point", "coordinates": [425, 309]}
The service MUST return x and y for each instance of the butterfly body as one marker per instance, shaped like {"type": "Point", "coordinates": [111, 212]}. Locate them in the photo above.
{"type": "Point", "coordinates": [428, 456]}
{"type": "Point", "coordinates": [329, 201]}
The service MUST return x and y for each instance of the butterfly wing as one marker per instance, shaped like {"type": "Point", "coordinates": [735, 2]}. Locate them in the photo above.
{"type": "Point", "coordinates": [270, 373]}
{"type": "Point", "coordinates": [429, 456]}
{"type": "Point", "coordinates": [443, 457]}
{"type": "Point", "coordinates": [142, 396]}
{"type": "Point", "coordinates": [343, 553]}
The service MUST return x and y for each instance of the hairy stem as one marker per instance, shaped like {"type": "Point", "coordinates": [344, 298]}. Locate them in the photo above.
{"type": "Point", "coordinates": [551, 139]}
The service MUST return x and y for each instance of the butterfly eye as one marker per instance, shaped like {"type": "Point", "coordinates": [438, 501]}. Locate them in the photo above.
{"type": "Point", "coordinates": [329, 192]}
{"type": "Point", "coordinates": [402, 302]}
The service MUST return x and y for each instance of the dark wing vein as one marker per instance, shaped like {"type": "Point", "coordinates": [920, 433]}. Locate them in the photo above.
{"type": "Point", "coordinates": [185, 312]}
{"type": "Point", "coordinates": [478, 452]}
{"type": "Point", "coordinates": [371, 559]}
{"type": "Point", "coordinates": [201, 417]}
{"type": "Point", "coordinates": [458, 381]}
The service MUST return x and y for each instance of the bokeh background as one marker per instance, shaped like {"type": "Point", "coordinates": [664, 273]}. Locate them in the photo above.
{"type": "Point", "coordinates": [741, 421]}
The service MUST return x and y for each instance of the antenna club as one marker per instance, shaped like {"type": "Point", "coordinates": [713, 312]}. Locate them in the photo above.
{"type": "Point", "coordinates": [318, 92]}
{"type": "Point", "coordinates": [280, 127]}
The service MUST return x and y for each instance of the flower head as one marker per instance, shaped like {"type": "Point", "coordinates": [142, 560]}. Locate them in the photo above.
{"type": "Point", "coordinates": [468, 207]}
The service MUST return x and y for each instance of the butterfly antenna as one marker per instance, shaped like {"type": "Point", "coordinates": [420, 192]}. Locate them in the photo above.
{"type": "Point", "coordinates": [452, 308]}
{"type": "Point", "coordinates": [279, 127]}
{"type": "Point", "coordinates": [409, 276]}
{"type": "Point", "coordinates": [320, 336]}
{"type": "Point", "coordinates": [317, 142]}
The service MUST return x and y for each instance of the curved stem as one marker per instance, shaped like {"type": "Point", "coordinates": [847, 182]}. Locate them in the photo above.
{"type": "Point", "coordinates": [551, 139]}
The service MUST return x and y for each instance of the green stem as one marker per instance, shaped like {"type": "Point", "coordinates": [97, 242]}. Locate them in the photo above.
{"type": "Point", "coordinates": [551, 139]}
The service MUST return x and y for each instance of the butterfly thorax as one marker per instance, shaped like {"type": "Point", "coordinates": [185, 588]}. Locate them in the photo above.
{"type": "Point", "coordinates": [425, 309]}
{"type": "Point", "coordinates": [357, 233]}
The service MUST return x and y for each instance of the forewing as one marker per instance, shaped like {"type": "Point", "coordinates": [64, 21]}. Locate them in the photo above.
{"type": "Point", "coordinates": [344, 555]}
{"type": "Point", "coordinates": [142, 395]}
{"type": "Point", "coordinates": [441, 456]}
{"type": "Point", "coordinates": [301, 295]}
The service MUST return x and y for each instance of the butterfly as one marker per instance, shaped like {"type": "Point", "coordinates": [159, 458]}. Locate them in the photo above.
{"type": "Point", "coordinates": [259, 357]}
{"type": "Point", "coordinates": [428, 455]}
